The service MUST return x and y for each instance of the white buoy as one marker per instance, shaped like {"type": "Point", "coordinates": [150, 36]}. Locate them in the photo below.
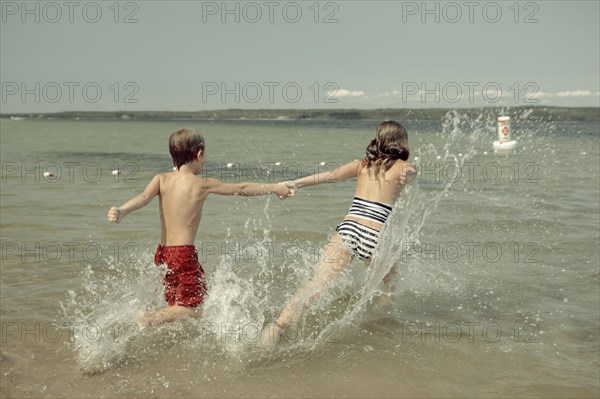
{"type": "Point", "coordinates": [277, 163]}
{"type": "Point", "coordinates": [416, 158]}
{"type": "Point", "coordinates": [49, 174]}
{"type": "Point", "coordinates": [322, 163]}
{"type": "Point", "coordinates": [116, 172]}
{"type": "Point", "coordinates": [229, 165]}
{"type": "Point", "coordinates": [504, 141]}
{"type": "Point", "coordinates": [174, 167]}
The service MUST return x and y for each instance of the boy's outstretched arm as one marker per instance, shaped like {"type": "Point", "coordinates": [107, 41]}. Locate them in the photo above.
{"type": "Point", "coordinates": [344, 172]}
{"type": "Point", "coordinates": [283, 190]}
{"type": "Point", "coordinates": [115, 214]}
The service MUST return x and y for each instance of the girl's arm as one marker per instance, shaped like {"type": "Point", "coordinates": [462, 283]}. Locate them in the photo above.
{"type": "Point", "coordinates": [407, 173]}
{"type": "Point", "coordinates": [282, 190]}
{"type": "Point", "coordinates": [115, 214]}
{"type": "Point", "coordinates": [344, 172]}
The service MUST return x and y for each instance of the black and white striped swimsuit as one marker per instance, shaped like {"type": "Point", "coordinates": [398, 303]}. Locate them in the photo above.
{"type": "Point", "coordinates": [361, 239]}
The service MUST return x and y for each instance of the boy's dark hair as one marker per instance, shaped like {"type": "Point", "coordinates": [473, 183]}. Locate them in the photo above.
{"type": "Point", "coordinates": [390, 143]}
{"type": "Point", "coordinates": [184, 144]}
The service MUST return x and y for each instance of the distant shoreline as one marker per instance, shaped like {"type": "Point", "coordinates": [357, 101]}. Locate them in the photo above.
{"type": "Point", "coordinates": [573, 114]}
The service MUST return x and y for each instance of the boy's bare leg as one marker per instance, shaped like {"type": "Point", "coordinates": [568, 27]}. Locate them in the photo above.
{"type": "Point", "coordinates": [166, 315]}
{"type": "Point", "coordinates": [334, 260]}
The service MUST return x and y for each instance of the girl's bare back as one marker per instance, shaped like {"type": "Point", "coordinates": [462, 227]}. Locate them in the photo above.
{"type": "Point", "coordinates": [388, 187]}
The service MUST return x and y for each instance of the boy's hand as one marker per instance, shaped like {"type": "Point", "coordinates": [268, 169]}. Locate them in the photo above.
{"type": "Point", "coordinates": [292, 187]}
{"type": "Point", "coordinates": [115, 215]}
{"type": "Point", "coordinates": [285, 190]}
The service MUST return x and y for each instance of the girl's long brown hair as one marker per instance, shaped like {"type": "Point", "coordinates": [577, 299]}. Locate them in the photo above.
{"type": "Point", "coordinates": [390, 144]}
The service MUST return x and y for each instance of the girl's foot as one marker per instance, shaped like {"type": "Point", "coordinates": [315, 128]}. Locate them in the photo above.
{"type": "Point", "coordinates": [270, 336]}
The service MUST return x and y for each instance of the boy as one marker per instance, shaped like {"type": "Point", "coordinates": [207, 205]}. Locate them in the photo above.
{"type": "Point", "coordinates": [181, 197]}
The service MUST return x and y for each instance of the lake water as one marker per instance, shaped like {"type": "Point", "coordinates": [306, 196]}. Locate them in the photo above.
{"type": "Point", "coordinates": [498, 256]}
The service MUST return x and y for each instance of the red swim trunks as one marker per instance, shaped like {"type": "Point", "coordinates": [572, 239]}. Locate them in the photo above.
{"type": "Point", "coordinates": [184, 282]}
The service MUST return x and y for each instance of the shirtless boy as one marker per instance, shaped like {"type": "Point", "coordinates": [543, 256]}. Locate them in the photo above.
{"type": "Point", "coordinates": [181, 196]}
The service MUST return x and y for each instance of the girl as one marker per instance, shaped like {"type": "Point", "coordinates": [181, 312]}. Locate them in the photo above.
{"type": "Point", "coordinates": [382, 175]}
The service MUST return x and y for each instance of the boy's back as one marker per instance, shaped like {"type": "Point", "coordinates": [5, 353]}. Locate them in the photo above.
{"type": "Point", "coordinates": [182, 197]}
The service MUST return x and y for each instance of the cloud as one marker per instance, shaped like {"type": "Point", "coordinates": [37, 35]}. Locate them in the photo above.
{"type": "Point", "coordinates": [341, 93]}
{"type": "Point", "coordinates": [491, 95]}
{"type": "Point", "coordinates": [540, 95]}
{"type": "Point", "coordinates": [575, 93]}
{"type": "Point", "coordinates": [565, 94]}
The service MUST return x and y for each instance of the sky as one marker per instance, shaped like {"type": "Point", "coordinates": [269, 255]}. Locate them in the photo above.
{"type": "Point", "coordinates": [210, 55]}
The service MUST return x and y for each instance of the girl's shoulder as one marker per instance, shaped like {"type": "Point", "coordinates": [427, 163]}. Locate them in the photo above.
{"type": "Point", "coordinates": [402, 172]}
{"type": "Point", "coordinates": [401, 166]}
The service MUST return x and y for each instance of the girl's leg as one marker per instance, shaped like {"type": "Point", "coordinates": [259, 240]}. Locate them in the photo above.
{"type": "Point", "coordinates": [388, 287]}
{"type": "Point", "coordinates": [389, 277]}
{"type": "Point", "coordinates": [335, 258]}
{"type": "Point", "coordinates": [166, 315]}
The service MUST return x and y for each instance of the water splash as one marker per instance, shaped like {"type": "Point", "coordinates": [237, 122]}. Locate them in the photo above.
{"type": "Point", "coordinates": [103, 312]}
{"type": "Point", "coordinates": [460, 138]}
{"type": "Point", "coordinates": [243, 295]}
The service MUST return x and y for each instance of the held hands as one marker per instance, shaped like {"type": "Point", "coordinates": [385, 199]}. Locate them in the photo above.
{"type": "Point", "coordinates": [115, 215]}
{"type": "Point", "coordinates": [285, 190]}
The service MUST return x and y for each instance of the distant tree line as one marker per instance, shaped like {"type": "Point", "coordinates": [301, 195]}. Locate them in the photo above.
{"type": "Point", "coordinates": [584, 114]}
